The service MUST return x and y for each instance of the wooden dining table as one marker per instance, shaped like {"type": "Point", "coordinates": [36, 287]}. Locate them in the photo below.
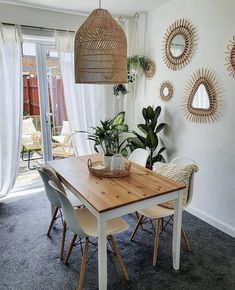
{"type": "Point", "coordinates": [108, 198]}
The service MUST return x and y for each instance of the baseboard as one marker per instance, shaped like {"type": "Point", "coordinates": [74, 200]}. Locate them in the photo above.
{"type": "Point", "coordinates": [224, 227]}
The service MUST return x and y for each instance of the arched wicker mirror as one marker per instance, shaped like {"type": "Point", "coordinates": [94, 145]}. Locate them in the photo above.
{"type": "Point", "coordinates": [179, 44]}
{"type": "Point", "coordinates": [201, 100]}
{"type": "Point", "coordinates": [230, 57]}
{"type": "Point", "coordinates": [166, 91]}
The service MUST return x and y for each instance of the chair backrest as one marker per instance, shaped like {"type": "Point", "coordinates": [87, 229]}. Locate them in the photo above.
{"type": "Point", "coordinates": [28, 127]}
{"type": "Point", "coordinates": [69, 213]}
{"type": "Point", "coordinates": [65, 131]}
{"type": "Point", "coordinates": [48, 174]}
{"type": "Point", "coordinates": [181, 160]}
{"type": "Point", "coordinates": [139, 156]}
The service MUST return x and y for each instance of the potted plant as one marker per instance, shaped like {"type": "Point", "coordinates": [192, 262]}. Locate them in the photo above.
{"type": "Point", "coordinates": [107, 137]}
{"type": "Point", "coordinates": [149, 138]}
{"type": "Point", "coordinates": [120, 90]}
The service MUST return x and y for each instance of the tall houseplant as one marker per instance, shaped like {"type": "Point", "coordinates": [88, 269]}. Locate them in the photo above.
{"type": "Point", "coordinates": [149, 137]}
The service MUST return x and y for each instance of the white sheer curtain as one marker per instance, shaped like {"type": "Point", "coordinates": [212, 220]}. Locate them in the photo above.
{"type": "Point", "coordinates": [135, 32]}
{"type": "Point", "coordinates": [11, 105]}
{"type": "Point", "coordinates": [86, 104]}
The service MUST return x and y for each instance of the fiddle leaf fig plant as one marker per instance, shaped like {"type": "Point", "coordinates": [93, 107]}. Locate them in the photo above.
{"type": "Point", "coordinates": [107, 136]}
{"type": "Point", "coordinates": [148, 139]}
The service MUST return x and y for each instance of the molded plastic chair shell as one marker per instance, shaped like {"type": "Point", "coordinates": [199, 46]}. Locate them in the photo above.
{"type": "Point", "coordinates": [69, 213]}
{"type": "Point", "coordinates": [51, 195]}
{"type": "Point", "coordinates": [139, 156]}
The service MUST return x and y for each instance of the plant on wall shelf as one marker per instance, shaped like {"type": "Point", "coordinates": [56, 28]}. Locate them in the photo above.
{"type": "Point", "coordinates": [135, 64]}
{"type": "Point", "coordinates": [148, 139]}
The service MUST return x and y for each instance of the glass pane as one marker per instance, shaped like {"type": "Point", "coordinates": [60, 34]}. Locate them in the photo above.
{"type": "Point", "coordinates": [61, 142]}
{"type": "Point", "coordinates": [31, 149]}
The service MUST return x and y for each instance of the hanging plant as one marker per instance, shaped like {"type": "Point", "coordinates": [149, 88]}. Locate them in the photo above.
{"type": "Point", "coordinates": [120, 89]}
{"type": "Point", "coordinates": [135, 65]}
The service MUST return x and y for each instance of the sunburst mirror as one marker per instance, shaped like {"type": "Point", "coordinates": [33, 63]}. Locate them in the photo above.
{"type": "Point", "coordinates": [179, 44]}
{"type": "Point", "coordinates": [230, 57]}
{"type": "Point", "coordinates": [166, 91]}
{"type": "Point", "coordinates": [201, 101]}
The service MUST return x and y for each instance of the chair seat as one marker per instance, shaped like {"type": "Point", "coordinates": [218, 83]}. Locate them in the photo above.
{"type": "Point", "coordinates": [62, 151]}
{"type": "Point", "coordinates": [88, 223]}
{"type": "Point", "coordinates": [60, 138]}
{"type": "Point", "coordinates": [73, 199]}
{"type": "Point", "coordinates": [156, 211]}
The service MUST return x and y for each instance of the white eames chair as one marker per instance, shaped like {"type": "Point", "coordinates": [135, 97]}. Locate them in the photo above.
{"type": "Point", "coordinates": [84, 225]}
{"type": "Point", "coordinates": [139, 156]}
{"type": "Point", "coordinates": [48, 174]}
{"type": "Point", "coordinates": [159, 212]}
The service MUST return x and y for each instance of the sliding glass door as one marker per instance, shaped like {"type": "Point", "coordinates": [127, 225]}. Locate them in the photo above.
{"type": "Point", "coordinates": [45, 117]}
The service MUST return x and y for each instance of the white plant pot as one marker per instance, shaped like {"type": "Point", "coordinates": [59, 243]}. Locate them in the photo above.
{"type": "Point", "coordinates": [107, 161]}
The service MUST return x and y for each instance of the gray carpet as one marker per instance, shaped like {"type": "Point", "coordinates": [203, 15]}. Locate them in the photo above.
{"type": "Point", "coordinates": [29, 260]}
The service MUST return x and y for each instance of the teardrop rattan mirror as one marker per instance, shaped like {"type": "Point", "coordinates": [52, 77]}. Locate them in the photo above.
{"type": "Point", "coordinates": [179, 44]}
{"type": "Point", "coordinates": [230, 57]}
{"type": "Point", "coordinates": [202, 101]}
{"type": "Point", "coordinates": [166, 91]}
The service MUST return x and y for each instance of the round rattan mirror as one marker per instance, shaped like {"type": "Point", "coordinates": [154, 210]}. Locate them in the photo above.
{"type": "Point", "coordinates": [179, 44]}
{"type": "Point", "coordinates": [230, 57]}
{"type": "Point", "coordinates": [166, 91]}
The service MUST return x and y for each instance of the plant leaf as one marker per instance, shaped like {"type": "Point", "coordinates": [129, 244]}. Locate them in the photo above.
{"type": "Point", "coordinates": [134, 141]}
{"type": "Point", "coordinates": [150, 113]}
{"type": "Point", "coordinates": [142, 139]}
{"type": "Point", "coordinates": [124, 152]}
{"type": "Point", "coordinates": [152, 140]}
{"type": "Point", "coordinates": [161, 150]}
{"type": "Point", "coordinates": [160, 127]}
{"type": "Point", "coordinates": [119, 119]}
{"type": "Point", "coordinates": [122, 128]}
{"type": "Point", "coordinates": [144, 128]}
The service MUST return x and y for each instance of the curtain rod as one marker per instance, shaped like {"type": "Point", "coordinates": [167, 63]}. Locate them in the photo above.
{"type": "Point", "coordinates": [39, 28]}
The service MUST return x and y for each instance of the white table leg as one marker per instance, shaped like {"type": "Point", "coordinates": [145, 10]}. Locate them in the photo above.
{"type": "Point", "coordinates": [177, 231]}
{"type": "Point", "coordinates": [102, 253]}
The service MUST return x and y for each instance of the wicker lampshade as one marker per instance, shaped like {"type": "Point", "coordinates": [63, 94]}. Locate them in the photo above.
{"type": "Point", "coordinates": [100, 50]}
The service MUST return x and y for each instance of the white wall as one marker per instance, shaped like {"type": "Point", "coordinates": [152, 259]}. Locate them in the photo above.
{"type": "Point", "coordinates": [211, 145]}
{"type": "Point", "coordinates": [39, 17]}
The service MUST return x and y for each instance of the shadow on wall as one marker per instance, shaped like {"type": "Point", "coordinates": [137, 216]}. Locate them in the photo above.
{"type": "Point", "coordinates": [172, 137]}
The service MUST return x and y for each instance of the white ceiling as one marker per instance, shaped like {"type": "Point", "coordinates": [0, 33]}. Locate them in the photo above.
{"type": "Point", "coordinates": [118, 7]}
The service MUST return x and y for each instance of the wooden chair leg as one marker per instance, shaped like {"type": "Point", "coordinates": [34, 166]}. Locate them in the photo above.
{"type": "Point", "coordinates": [62, 241]}
{"type": "Point", "coordinates": [156, 240]}
{"type": "Point", "coordinates": [119, 258]}
{"type": "Point", "coordinates": [138, 216]}
{"type": "Point", "coordinates": [162, 224]}
{"type": "Point", "coordinates": [136, 227]}
{"type": "Point", "coordinates": [70, 249]}
{"type": "Point", "coordinates": [186, 243]}
{"type": "Point", "coordinates": [83, 265]}
{"type": "Point", "coordinates": [52, 221]}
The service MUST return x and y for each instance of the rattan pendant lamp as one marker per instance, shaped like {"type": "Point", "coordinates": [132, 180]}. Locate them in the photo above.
{"type": "Point", "coordinates": [100, 50]}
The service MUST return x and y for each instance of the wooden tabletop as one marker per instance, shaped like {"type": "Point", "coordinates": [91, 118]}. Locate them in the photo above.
{"type": "Point", "coordinates": [108, 193]}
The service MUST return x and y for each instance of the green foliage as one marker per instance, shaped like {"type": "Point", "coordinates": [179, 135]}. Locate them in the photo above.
{"type": "Point", "coordinates": [149, 138]}
{"type": "Point", "coordinates": [134, 64]}
{"type": "Point", "coordinates": [119, 88]}
{"type": "Point", "coordinates": [107, 135]}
